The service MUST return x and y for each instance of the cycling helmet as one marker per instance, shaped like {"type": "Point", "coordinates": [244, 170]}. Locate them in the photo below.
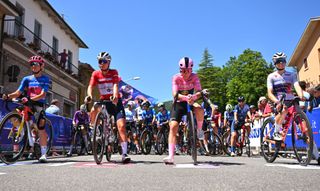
{"type": "Point", "coordinates": [205, 92]}
{"type": "Point", "coordinates": [216, 107]}
{"type": "Point", "coordinates": [146, 103]}
{"type": "Point", "coordinates": [241, 98]}
{"type": "Point", "coordinates": [229, 107]}
{"type": "Point", "coordinates": [104, 56]}
{"type": "Point", "coordinates": [161, 104]}
{"type": "Point", "coordinates": [279, 56]}
{"type": "Point", "coordinates": [252, 107]}
{"type": "Point", "coordinates": [83, 108]}
{"type": "Point", "coordinates": [38, 59]}
{"type": "Point", "coordinates": [185, 62]}
{"type": "Point", "coordinates": [262, 98]}
{"type": "Point", "coordinates": [131, 103]}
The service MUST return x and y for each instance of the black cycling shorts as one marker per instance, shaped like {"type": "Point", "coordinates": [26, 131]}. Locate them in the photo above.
{"type": "Point", "coordinates": [178, 110]}
{"type": "Point", "coordinates": [116, 110]}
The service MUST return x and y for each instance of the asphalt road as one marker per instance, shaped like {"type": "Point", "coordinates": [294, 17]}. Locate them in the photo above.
{"type": "Point", "coordinates": [149, 173]}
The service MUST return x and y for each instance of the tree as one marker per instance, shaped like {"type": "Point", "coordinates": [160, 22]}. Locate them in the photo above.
{"type": "Point", "coordinates": [207, 60]}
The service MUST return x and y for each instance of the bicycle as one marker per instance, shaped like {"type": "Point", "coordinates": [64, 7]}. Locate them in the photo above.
{"type": "Point", "coordinates": [18, 130]}
{"type": "Point", "coordinates": [78, 141]}
{"type": "Point", "coordinates": [147, 138]}
{"type": "Point", "coordinates": [301, 132]}
{"type": "Point", "coordinates": [215, 145]}
{"type": "Point", "coordinates": [103, 137]}
{"type": "Point", "coordinates": [162, 138]}
{"type": "Point", "coordinates": [242, 141]}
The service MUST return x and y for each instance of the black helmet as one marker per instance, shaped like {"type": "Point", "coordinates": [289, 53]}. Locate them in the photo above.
{"type": "Point", "coordinates": [241, 98]}
{"type": "Point", "coordinates": [146, 103]}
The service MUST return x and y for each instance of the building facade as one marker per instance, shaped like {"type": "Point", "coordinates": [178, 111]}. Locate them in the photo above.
{"type": "Point", "coordinates": [306, 56]}
{"type": "Point", "coordinates": [39, 30]}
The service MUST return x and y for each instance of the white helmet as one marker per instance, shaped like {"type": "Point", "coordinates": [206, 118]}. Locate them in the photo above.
{"type": "Point", "coordinates": [104, 56]}
{"type": "Point", "coordinates": [161, 104]}
{"type": "Point", "coordinates": [131, 103]}
{"type": "Point", "coordinates": [279, 56]}
{"type": "Point", "coordinates": [229, 107]}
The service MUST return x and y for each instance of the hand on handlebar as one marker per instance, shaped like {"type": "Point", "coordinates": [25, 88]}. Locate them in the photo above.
{"type": "Point", "coordinates": [87, 99]}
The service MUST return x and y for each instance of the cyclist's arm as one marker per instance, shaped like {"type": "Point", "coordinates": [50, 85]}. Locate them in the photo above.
{"type": "Point", "coordinates": [40, 96]}
{"type": "Point", "coordinates": [14, 94]}
{"type": "Point", "coordinates": [219, 122]}
{"type": "Point", "coordinates": [271, 96]}
{"type": "Point", "coordinates": [115, 90]}
{"type": "Point", "coordinates": [224, 120]}
{"type": "Point", "coordinates": [90, 90]}
{"type": "Point", "coordinates": [298, 89]}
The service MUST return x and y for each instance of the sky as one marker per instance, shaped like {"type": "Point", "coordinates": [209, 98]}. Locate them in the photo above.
{"type": "Point", "coordinates": [146, 38]}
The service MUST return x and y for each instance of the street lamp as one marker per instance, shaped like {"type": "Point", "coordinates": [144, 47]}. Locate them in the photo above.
{"type": "Point", "coordinates": [133, 78]}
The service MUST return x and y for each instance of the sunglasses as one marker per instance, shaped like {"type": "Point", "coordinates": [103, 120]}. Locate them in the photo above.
{"type": "Point", "coordinates": [34, 64]}
{"type": "Point", "coordinates": [185, 71]}
{"type": "Point", "coordinates": [103, 61]}
{"type": "Point", "coordinates": [281, 61]}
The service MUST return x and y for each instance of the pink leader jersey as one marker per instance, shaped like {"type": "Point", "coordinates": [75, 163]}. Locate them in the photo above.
{"type": "Point", "coordinates": [186, 87]}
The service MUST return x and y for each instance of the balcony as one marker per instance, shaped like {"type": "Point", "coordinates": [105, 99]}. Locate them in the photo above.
{"type": "Point", "coordinates": [16, 33]}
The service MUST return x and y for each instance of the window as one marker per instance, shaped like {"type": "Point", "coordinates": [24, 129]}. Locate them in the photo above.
{"type": "Point", "coordinates": [69, 62]}
{"type": "Point", "coordinates": [305, 63]}
{"type": "Point", "coordinates": [55, 46]}
{"type": "Point", "coordinates": [18, 29]}
{"type": "Point", "coordinates": [37, 32]}
{"type": "Point", "coordinates": [68, 109]}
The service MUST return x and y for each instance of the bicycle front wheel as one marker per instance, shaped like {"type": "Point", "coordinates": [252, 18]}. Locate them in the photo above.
{"type": "Point", "coordinates": [98, 144]}
{"type": "Point", "coordinates": [269, 148]}
{"type": "Point", "coordinates": [193, 135]}
{"type": "Point", "coordinates": [160, 142]}
{"type": "Point", "coordinates": [146, 142]}
{"type": "Point", "coordinates": [12, 146]}
{"type": "Point", "coordinates": [302, 138]}
{"type": "Point", "coordinates": [214, 143]}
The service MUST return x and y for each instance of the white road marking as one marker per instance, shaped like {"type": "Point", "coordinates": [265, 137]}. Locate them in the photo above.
{"type": "Point", "coordinates": [195, 166]}
{"type": "Point", "coordinates": [296, 166]}
{"type": "Point", "coordinates": [2, 173]}
{"type": "Point", "coordinates": [61, 164]}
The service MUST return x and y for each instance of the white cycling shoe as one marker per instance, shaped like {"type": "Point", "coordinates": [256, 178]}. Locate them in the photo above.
{"type": "Point", "coordinates": [168, 160]}
{"type": "Point", "coordinates": [43, 159]}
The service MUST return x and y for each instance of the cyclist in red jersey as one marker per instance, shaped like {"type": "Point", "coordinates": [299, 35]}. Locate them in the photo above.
{"type": "Point", "coordinates": [186, 88]}
{"type": "Point", "coordinates": [107, 81]}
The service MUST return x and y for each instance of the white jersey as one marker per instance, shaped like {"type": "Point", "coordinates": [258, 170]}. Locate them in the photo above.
{"type": "Point", "coordinates": [282, 84]}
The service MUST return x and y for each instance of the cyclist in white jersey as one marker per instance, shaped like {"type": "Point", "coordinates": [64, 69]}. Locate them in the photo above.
{"type": "Point", "coordinates": [278, 83]}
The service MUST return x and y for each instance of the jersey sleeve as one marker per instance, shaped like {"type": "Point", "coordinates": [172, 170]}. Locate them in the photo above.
{"type": "Point", "coordinates": [116, 78]}
{"type": "Point", "coordinates": [23, 84]}
{"type": "Point", "coordinates": [269, 82]}
{"type": "Point", "coordinates": [46, 84]}
{"type": "Point", "coordinates": [174, 84]}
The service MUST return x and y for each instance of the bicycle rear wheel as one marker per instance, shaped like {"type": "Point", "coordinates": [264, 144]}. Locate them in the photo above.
{"type": "Point", "coordinates": [98, 144]}
{"type": "Point", "coordinates": [161, 142]}
{"type": "Point", "coordinates": [269, 147]}
{"type": "Point", "coordinates": [226, 142]}
{"type": "Point", "coordinates": [302, 138]}
{"type": "Point", "coordinates": [11, 145]}
{"type": "Point", "coordinates": [193, 136]}
{"type": "Point", "coordinates": [146, 142]}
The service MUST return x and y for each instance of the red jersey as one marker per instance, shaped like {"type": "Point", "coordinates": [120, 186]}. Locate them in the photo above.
{"type": "Point", "coordinates": [105, 82]}
{"type": "Point", "coordinates": [215, 118]}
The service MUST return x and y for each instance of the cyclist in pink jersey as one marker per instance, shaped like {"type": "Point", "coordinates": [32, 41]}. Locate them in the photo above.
{"type": "Point", "coordinates": [186, 88]}
{"type": "Point", "coordinates": [107, 81]}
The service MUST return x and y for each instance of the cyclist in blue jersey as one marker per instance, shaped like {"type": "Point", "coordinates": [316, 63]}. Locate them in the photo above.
{"type": "Point", "coordinates": [163, 115]}
{"type": "Point", "coordinates": [228, 116]}
{"type": "Point", "coordinates": [148, 114]}
{"type": "Point", "coordinates": [241, 113]}
{"type": "Point", "coordinates": [37, 86]}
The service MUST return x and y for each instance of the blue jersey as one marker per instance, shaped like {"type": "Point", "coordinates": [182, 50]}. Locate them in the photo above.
{"type": "Point", "coordinates": [147, 115]}
{"type": "Point", "coordinates": [35, 85]}
{"type": "Point", "coordinates": [241, 112]}
{"type": "Point", "coordinates": [229, 116]}
{"type": "Point", "coordinates": [163, 117]}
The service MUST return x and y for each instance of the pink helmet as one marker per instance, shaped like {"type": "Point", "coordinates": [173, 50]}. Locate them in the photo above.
{"type": "Point", "coordinates": [185, 62]}
{"type": "Point", "coordinates": [38, 59]}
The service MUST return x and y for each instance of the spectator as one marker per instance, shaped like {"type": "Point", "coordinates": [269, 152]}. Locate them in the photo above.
{"type": "Point", "coordinates": [54, 107]}
{"type": "Point", "coordinates": [63, 58]}
{"type": "Point", "coordinates": [304, 104]}
{"type": "Point", "coordinates": [315, 92]}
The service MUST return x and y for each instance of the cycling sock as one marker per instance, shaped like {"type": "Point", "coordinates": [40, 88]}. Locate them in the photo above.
{"type": "Point", "coordinates": [206, 147]}
{"type": "Point", "coordinates": [277, 127]}
{"type": "Point", "coordinates": [171, 150]}
{"type": "Point", "coordinates": [71, 147]}
{"type": "Point", "coordinates": [124, 146]}
{"type": "Point", "coordinates": [43, 150]}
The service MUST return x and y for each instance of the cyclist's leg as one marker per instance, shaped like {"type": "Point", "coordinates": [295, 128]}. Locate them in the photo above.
{"type": "Point", "coordinates": [206, 124]}
{"type": "Point", "coordinates": [172, 140]}
{"type": "Point", "coordinates": [233, 137]}
{"type": "Point", "coordinates": [199, 114]}
{"type": "Point", "coordinates": [84, 133]}
{"type": "Point", "coordinates": [280, 118]}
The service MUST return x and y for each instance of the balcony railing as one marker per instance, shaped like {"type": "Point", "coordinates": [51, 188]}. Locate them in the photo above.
{"type": "Point", "coordinates": [16, 30]}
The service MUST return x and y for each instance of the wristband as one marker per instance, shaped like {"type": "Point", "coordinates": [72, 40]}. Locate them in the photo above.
{"type": "Point", "coordinates": [194, 97]}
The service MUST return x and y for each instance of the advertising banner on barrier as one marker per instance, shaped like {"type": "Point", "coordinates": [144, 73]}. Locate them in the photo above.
{"type": "Point", "coordinates": [130, 93]}
{"type": "Point", "coordinates": [314, 119]}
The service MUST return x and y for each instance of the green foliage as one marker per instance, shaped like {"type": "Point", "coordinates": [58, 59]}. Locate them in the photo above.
{"type": "Point", "coordinates": [244, 75]}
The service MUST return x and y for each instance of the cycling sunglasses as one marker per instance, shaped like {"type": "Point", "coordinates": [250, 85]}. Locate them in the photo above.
{"type": "Point", "coordinates": [103, 61]}
{"type": "Point", "coordinates": [280, 60]}
{"type": "Point", "coordinates": [34, 64]}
